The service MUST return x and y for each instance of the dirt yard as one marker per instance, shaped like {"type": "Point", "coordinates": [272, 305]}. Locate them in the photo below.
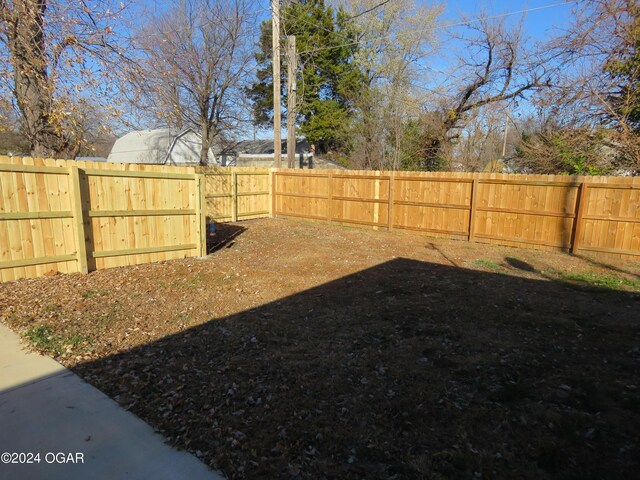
{"type": "Point", "coordinates": [308, 351]}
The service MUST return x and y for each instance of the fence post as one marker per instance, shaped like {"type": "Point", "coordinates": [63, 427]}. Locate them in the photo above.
{"type": "Point", "coordinates": [272, 193]}
{"type": "Point", "coordinates": [329, 195]}
{"type": "Point", "coordinates": [201, 213]}
{"type": "Point", "coordinates": [78, 218]}
{"type": "Point", "coordinates": [390, 198]}
{"type": "Point", "coordinates": [234, 197]}
{"type": "Point", "coordinates": [577, 225]}
{"type": "Point", "coordinates": [472, 209]}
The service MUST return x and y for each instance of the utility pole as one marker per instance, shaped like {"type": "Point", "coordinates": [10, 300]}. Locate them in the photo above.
{"type": "Point", "coordinates": [275, 33]}
{"type": "Point", "coordinates": [292, 69]}
{"type": "Point", "coordinates": [506, 129]}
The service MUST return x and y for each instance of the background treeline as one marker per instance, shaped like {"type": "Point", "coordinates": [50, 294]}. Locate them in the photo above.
{"type": "Point", "coordinates": [368, 93]}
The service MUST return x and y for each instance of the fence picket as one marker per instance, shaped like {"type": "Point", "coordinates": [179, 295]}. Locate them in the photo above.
{"type": "Point", "coordinates": [79, 216]}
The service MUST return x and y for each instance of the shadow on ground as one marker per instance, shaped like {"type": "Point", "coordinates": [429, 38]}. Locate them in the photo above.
{"type": "Point", "coordinates": [406, 370]}
{"type": "Point", "coordinates": [599, 263]}
{"type": "Point", "coordinates": [224, 237]}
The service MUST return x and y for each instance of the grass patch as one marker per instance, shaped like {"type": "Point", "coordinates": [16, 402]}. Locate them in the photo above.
{"type": "Point", "coordinates": [44, 339]}
{"type": "Point", "coordinates": [487, 264]}
{"type": "Point", "coordinates": [602, 281]}
{"type": "Point", "coordinates": [93, 293]}
{"type": "Point", "coordinates": [194, 282]}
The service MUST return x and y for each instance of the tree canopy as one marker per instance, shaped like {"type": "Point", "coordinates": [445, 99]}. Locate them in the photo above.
{"type": "Point", "coordinates": [57, 66]}
{"type": "Point", "coordinates": [326, 75]}
{"type": "Point", "coordinates": [194, 62]}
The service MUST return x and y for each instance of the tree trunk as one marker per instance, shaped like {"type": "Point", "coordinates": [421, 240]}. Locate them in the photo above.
{"type": "Point", "coordinates": [206, 143]}
{"type": "Point", "coordinates": [370, 140]}
{"type": "Point", "coordinates": [33, 87]}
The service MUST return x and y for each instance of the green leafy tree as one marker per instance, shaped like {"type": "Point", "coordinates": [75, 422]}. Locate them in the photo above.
{"type": "Point", "coordinates": [623, 65]}
{"type": "Point", "coordinates": [597, 84]}
{"type": "Point", "coordinates": [393, 38]}
{"type": "Point", "coordinates": [416, 148]}
{"type": "Point", "coordinates": [326, 75]}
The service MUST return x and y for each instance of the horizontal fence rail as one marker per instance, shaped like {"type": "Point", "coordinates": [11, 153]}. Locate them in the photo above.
{"type": "Point", "coordinates": [66, 216]}
{"type": "Point", "coordinates": [594, 214]}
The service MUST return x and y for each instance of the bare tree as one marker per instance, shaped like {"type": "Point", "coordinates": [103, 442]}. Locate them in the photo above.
{"type": "Point", "coordinates": [599, 85]}
{"type": "Point", "coordinates": [196, 57]}
{"type": "Point", "coordinates": [495, 68]}
{"type": "Point", "coordinates": [393, 38]}
{"type": "Point", "coordinates": [481, 143]}
{"type": "Point", "coordinates": [57, 56]}
{"type": "Point", "coordinates": [548, 145]}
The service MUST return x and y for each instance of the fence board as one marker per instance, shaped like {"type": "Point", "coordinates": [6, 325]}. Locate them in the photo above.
{"type": "Point", "coordinates": [537, 211]}
{"type": "Point", "coordinates": [35, 219]}
{"type": "Point", "coordinates": [72, 216]}
{"type": "Point", "coordinates": [237, 193]}
{"type": "Point", "coordinates": [131, 214]}
{"type": "Point", "coordinates": [611, 216]}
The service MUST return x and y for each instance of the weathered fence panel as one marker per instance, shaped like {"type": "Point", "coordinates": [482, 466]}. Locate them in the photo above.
{"type": "Point", "coordinates": [594, 214]}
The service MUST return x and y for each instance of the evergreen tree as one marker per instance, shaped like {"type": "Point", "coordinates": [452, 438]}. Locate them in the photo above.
{"type": "Point", "coordinates": [326, 74]}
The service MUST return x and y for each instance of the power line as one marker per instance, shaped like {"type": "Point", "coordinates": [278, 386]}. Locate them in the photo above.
{"type": "Point", "coordinates": [381, 4]}
{"type": "Point", "coordinates": [507, 14]}
{"type": "Point", "coordinates": [305, 21]}
{"type": "Point", "coordinates": [451, 25]}
{"type": "Point", "coordinates": [196, 27]}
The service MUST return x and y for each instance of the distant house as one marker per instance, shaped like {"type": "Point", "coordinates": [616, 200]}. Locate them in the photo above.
{"type": "Point", "coordinates": [162, 146]}
{"type": "Point", "coordinates": [259, 153]}
{"type": "Point", "coordinates": [251, 153]}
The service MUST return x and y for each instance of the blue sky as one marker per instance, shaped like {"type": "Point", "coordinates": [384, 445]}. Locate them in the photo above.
{"type": "Point", "coordinates": [539, 24]}
{"type": "Point", "coordinates": [541, 20]}
{"type": "Point", "coordinates": [546, 19]}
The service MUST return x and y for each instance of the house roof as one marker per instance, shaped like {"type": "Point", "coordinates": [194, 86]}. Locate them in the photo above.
{"type": "Point", "coordinates": [262, 147]}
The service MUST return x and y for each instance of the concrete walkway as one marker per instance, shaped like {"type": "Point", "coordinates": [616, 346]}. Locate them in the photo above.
{"type": "Point", "coordinates": [46, 409]}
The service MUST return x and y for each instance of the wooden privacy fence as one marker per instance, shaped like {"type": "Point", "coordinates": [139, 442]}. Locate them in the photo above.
{"type": "Point", "coordinates": [233, 193]}
{"type": "Point", "coordinates": [595, 214]}
{"type": "Point", "coordinates": [69, 216]}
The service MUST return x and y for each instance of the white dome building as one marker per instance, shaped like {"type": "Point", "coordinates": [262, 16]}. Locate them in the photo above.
{"type": "Point", "coordinates": [162, 146]}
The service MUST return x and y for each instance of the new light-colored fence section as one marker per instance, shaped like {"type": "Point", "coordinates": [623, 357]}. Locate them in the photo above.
{"type": "Point", "coordinates": [533, 211]}
{"type": "Point", "coordinates": [236, 193]}
{"type": "Point", "coordinates": [139, 215]}
{"type": "Point", "coordinates": [436, 205]}
{"type": "Point", "coordinates": [68, 216]}
{"type": "Point", "coordinates": [595, 214]}
{"type": "Point", "coordinates": [38, 220]}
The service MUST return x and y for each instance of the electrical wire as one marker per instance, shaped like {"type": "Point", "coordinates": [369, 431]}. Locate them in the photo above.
{"type": "Point", "coordinates": [452, 25]}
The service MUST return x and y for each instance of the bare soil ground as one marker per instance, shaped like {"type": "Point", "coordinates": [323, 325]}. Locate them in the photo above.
{"type": "Point", "coordinates": [300, 350]}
